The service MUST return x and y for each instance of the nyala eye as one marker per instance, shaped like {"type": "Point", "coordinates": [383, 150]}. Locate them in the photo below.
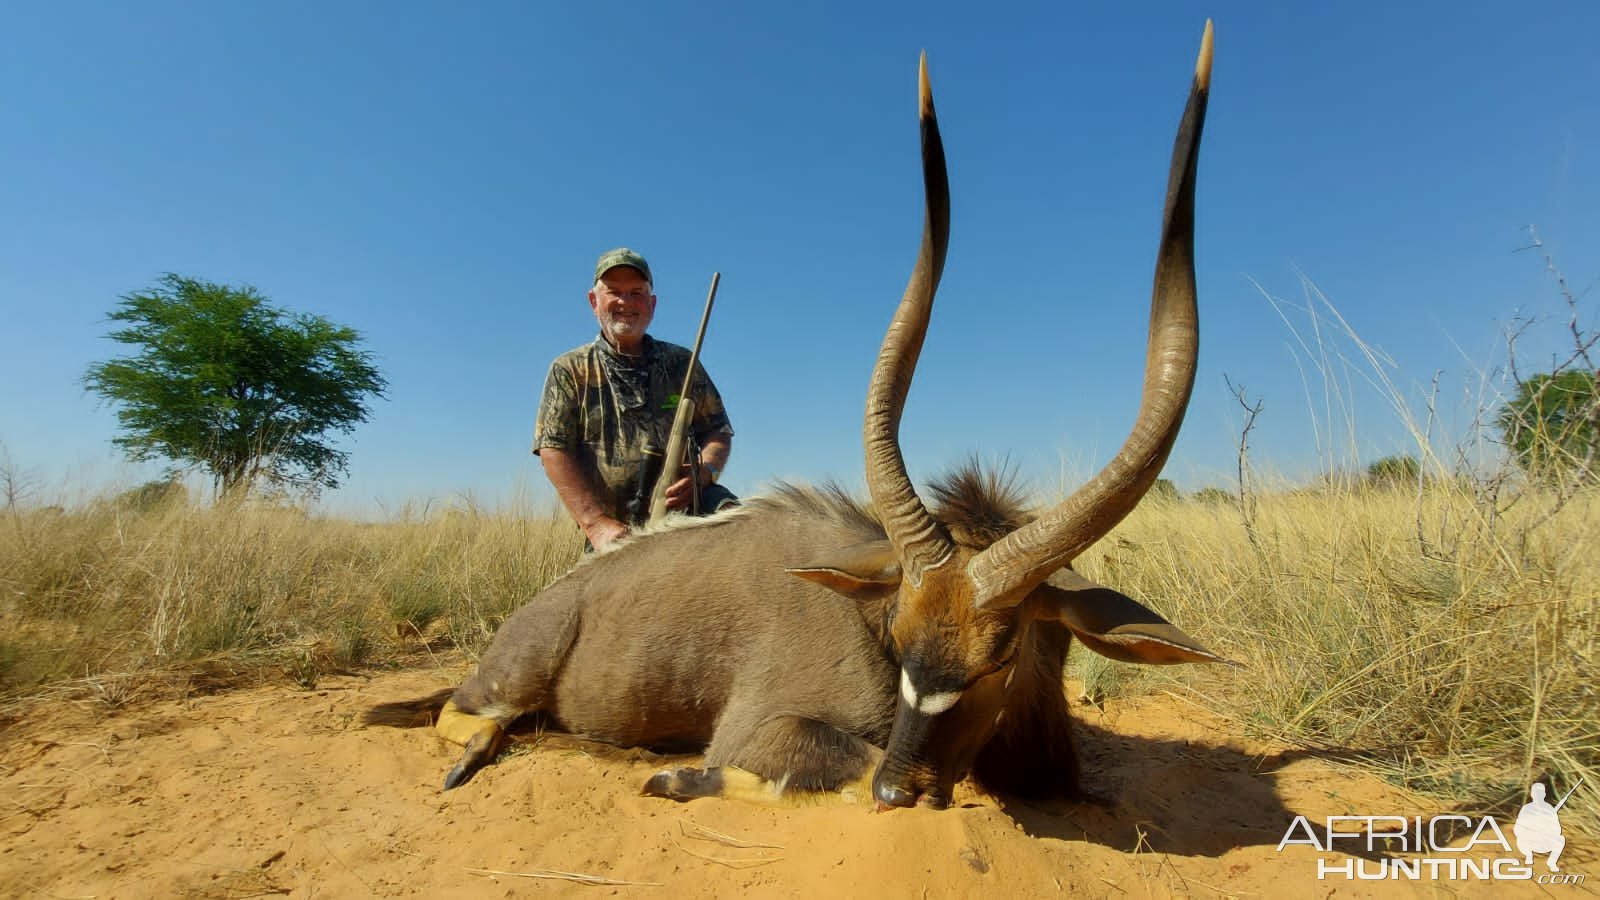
{"type": "Point", "coordinates": [1007, 656]}
{"type": "Point", "coordinates": [1006, 659]}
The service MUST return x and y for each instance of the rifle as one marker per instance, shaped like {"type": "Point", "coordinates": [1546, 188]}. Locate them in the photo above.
{"type": "Point", "coordinates": [678, 439]}
{"type": "Point", "coordinates": [1567, 795]}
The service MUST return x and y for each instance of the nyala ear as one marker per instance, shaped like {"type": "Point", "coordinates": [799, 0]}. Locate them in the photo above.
{"type": "Point", "coordinates": [1115, 625]}
{"type": "Point", "coordinates": [860, 571]}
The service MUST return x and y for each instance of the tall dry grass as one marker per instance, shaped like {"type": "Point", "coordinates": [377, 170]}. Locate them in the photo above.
{"type": "Point", "coordinates": [1445, 628]}
{"type": "Point", "coordinates": [1458, 659]}
{"type": "Point", "coordinates": [108, 597]}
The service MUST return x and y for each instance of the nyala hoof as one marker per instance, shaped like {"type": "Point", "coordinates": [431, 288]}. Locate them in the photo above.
{"type": "Point", "coordinates": [480, 750]}
{"type": "Point", "coordinates": [480, 735]}
{"type": "Point", "coordinates": [684, 783]}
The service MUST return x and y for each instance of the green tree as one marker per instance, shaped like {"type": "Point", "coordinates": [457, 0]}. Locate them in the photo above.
{"type": "Point", "coordinates": [1552, 425]}
{"type": "Point", "coordinates": [1394, 470]}
{"type": "Point", "coordinates": [223, 381]}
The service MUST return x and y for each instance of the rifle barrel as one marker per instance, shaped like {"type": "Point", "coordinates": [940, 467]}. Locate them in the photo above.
{"type": "Point", "coordinates": [1566, 795]}
{"type": "Point", "coordinates": [678, 440]}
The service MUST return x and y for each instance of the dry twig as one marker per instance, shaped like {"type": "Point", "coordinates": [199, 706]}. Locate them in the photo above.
{"type": "Point", "coordinates": [693, 830]}
{"type": "Point", "coordinates": [577, 877]}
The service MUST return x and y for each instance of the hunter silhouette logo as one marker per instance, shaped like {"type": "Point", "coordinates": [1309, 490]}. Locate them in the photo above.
{"type": "Point", "coordinates": [1538, 828]}
{"type": "Point", "coordinates": [1414, 848]}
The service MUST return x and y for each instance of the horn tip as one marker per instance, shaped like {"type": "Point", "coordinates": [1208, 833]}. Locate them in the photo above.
{"type": "Point", "coordinates": [1202, 67]}
{"type": "Point", "coordinates": [924, 89]}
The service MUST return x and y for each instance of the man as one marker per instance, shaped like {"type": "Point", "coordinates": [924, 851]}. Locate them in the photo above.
{"type": "Point", "coordinates": [608, 406]}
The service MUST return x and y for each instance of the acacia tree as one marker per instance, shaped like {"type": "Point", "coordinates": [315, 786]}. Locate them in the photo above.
{"type": "Point", "coordinates": [1552, 425]}
{"type": "Point", "coordinates": [223, 381]}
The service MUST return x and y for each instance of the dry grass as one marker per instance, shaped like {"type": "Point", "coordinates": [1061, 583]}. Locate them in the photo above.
{"type": "Point", "coordinates": [1454, 652]}
{"type": "Point", "coordinates": [98, 596]}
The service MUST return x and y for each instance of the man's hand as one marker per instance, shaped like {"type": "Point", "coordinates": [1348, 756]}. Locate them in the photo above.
{"type": "Point", "coordinates": [682, 491]}
{"type": "Point", "coordinates": [603, 531]}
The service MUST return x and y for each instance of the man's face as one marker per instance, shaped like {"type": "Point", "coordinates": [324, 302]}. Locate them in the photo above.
{"type": "Point", "coordinates": [623, 305]}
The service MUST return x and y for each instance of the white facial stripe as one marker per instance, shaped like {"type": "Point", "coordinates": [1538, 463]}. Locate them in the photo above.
{"type": "Point", "coordinates": [931, 705]}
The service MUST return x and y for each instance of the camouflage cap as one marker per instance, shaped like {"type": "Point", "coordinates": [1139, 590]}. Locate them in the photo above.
{"type": "Point", "coordinates": [621, 256]}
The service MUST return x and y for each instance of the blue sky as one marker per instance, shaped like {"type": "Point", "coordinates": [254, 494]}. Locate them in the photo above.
{"type": "Point", "coordinates": [441, 177]}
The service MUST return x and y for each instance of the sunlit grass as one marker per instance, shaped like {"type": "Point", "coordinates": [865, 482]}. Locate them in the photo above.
{"type": "Point", "coordinates": [109, 591]}
{"type": "Point", "coordinates": [1455, 653]}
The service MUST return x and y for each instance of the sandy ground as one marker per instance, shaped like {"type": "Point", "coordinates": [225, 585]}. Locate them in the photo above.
{"type": "Point", "coordinates": [278, 791]}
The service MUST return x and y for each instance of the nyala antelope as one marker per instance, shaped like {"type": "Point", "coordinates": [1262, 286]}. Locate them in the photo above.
{"type": "Point", "coordinates": [806, 640]}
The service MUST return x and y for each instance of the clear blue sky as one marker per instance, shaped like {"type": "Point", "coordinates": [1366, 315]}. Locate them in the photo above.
{"type": "Point", "coordinates": [441, 177]}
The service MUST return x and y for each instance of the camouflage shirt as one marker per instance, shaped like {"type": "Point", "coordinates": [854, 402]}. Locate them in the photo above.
{"type": "Point", "coordinates": [612, 411]}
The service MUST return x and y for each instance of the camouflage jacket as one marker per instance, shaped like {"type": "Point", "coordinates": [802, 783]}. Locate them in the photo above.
{"type": "Point", "coordinates": [614, 411]}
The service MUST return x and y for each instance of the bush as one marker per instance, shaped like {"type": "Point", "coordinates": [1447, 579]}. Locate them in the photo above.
{"type": "Point", "coordinates": [153, 496]}
{"type": "Point", "coordinates": [1393, 471]}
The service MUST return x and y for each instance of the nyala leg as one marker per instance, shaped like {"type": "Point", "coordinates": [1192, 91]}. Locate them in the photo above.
{"type": "Point", "coordinates": [787, 761]}
{"type": "Point", "coordinates": [480, 735]}
{"type": "Point", "coordinates": [517, 675]}
{"type": "Point", "coordinates": [1031, 754]}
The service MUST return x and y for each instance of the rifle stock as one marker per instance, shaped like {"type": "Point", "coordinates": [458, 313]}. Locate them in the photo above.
{"type": "Point", "coordinates": [678, 440]}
